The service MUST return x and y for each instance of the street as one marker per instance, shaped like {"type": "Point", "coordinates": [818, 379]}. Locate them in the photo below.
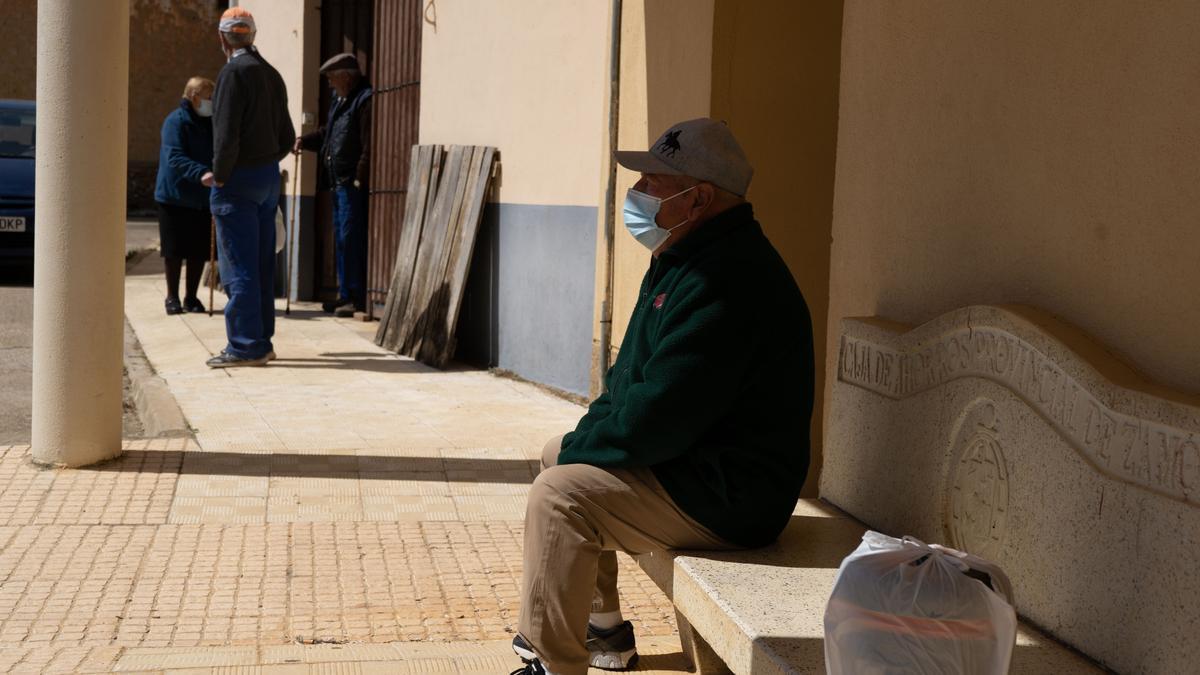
{"type": "Point", "coordinates": [16, 354]}
{"type": "Point", "coordinates": [16, 338]}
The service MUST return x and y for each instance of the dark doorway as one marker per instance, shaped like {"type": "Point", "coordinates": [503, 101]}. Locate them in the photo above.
{"type": "Point", "coordinates": [346, 26]}
{"type": "Point", "coordinates": [396, 76]}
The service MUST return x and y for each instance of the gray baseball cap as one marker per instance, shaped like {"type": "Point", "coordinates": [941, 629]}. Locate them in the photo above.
{"type": "Point", "coordinates": [702, 148]}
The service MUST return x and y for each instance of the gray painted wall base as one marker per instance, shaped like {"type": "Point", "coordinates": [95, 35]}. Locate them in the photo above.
{"type": "Point", "coordinates": [529, 298]}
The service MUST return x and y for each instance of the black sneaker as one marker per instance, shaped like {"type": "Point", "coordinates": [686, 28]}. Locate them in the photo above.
{"type": "Point", "coordinates": [173, 306]}
{"type": "Point", "coordinates": [227, 360]}
{"type": "Point", "coordinates": [194, 305]}
{"type": "Point", "coordinates": [523, 649]}
{"type": "Point", "coordinates": [344, 310]}
{"type": "Point", "coordinates": [533, 667]}
{"type": "Point", "coordinates": [612, 649]}
{"type": "Point", "coordinates": [329, 305]}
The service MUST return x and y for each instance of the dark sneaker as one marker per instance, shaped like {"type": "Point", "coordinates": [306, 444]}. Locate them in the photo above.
{"type": "Point", "coordinates": [173, 306]}
{"type": "Point", "coordinates": [612, 649]}
{"type": "Point", "coordinates": [227, 360]}
{"type": "Point", "coordinates": [523, 649]}
{"type": "Point", "coordinates": [344, 310]}
{"type": "Point", "coordinates": [533, 667]}
{"type": "Point", "coordinates": [194, 305]}
{"type": "Point", "coordinates": [270, 355]}
{"type": "Point", "coordinates": [329, 305]}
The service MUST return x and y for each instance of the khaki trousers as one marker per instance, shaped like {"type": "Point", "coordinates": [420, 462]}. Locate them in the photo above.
{"type": "Point", "coordinates": [576, 519]}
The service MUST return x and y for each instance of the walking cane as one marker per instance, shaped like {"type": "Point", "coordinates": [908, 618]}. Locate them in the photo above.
{"type": "Point", "coordinates": [212, 262]}
{"type": "Point", "coordinates": [287, 235]}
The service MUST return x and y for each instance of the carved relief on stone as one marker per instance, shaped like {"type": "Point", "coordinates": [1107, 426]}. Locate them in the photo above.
{"type": "Point", "coordinates": [1150, 448]}
{"type": "Point", "coordinates": [977, 508]}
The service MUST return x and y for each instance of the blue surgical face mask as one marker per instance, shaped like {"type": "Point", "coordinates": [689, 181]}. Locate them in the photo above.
{"type": "Point", "coordinates": [640, 211]}
{"type": "Point", "coordinates": [205, 109]}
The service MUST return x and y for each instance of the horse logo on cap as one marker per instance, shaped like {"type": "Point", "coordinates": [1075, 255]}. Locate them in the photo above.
{"type": "Point", "coordinates": [670, 143]}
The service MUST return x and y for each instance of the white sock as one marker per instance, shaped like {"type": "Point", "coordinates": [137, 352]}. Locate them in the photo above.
{"type": "Point", "coordinates": [605, 620]}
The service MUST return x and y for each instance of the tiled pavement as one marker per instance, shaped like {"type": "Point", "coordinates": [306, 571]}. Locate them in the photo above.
{"type": "Point", "coordinates": [341, 510]}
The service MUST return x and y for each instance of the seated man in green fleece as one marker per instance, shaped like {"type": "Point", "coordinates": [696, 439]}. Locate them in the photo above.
{"type": "Point", "coordinates": [701, 440]}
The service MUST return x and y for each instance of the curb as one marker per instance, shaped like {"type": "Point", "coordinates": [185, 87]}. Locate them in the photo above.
{"type": "Point", "coordinates": [160, 414]}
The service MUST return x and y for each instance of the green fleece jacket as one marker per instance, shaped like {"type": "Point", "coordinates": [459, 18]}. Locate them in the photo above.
{"type": "Point", "coordinates": [713, 386]}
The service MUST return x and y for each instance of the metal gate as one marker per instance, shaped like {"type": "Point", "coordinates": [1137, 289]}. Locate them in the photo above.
{"type": "Point", "coordinates": [346, 26]}
{"type": "Point", "coordinates": [395, 110]}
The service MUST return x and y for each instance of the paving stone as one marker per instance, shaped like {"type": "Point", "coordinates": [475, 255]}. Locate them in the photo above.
{"type": "Point", "coordinates": [339, 505]}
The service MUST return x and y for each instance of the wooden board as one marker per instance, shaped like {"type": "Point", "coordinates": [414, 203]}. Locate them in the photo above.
{"type": "Point", "coordinates": [422, 187]}
{"type": "Point", "coordinates": [430, 268]}
{"type": "Point", "coordinates": [439, 344]}
{"type": "Point", "coordinates": [433, 258]}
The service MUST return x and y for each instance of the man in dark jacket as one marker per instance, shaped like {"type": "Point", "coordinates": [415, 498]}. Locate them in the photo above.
{"type": "Point", "coordinates": [344, 144]}
{"type": "Point", "coordinates": [252, 131]}
{"type": "Point", "coordinates": [701, 440]}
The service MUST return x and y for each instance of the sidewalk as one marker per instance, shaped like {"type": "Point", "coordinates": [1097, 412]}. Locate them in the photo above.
{"type": "Point", "coordinates": [341, 510]}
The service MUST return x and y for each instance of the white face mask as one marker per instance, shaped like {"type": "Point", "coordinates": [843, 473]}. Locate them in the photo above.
{"type": "Point", "coordinates": [640, 211]}
{"type": "Point", "coordinates": [205, 109]}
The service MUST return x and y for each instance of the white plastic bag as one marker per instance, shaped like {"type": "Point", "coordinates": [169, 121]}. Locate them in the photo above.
{"type": "Point", "coordinates": [902, 606]}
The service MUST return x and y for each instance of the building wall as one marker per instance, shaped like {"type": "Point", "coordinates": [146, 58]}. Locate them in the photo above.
{"type": "Point", "coordinates": [666, 77]}
{"type": "Point", "coordinates": [170, 41]}
{"type": "Point", "coordinates": [528, 77]}
{"type": "Point", "coordinates": [18, 49]}
{"type": "Point", "coordinates": [775, 68]}
{"type": "Point", "coordinates": [1037, 153]}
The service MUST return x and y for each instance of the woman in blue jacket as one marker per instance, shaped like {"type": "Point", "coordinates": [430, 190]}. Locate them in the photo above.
{"type": "Point", "coordinates": [184, 221]}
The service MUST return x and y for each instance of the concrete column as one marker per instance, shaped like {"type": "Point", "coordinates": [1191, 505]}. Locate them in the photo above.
{"type": "Point", "coordinates": [79, 270]}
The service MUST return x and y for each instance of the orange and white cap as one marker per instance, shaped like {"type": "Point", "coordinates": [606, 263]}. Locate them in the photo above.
{"type": "Point", "coordinates": [237, 20]}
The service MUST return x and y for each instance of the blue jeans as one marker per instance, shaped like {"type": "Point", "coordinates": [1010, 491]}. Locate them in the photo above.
{"type": "Point", "coordinates": [350, 243]}
{"type": "Point", "coordinates": [245, 212]}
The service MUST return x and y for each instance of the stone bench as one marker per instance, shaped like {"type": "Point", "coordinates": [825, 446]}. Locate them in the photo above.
{"type": "Point", "coordinates": [1003, 432]}
{"type": "Point", "coordinates": [762, 611]}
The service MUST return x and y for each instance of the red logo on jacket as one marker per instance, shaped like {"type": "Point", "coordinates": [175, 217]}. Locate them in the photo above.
{"type": "Point", "coordinates": [659, 300]}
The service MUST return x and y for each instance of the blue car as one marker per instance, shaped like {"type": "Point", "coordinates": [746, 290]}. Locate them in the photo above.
{"type": "Point", "coordinates": [17, 124]}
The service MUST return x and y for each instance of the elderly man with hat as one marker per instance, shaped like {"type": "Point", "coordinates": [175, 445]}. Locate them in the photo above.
{"type": "Point", "coordinates": [344, 144]}
{"type": "Point", "coordinates": [701, 439]}
{"type": "Point", "coordinates": [252, 131]}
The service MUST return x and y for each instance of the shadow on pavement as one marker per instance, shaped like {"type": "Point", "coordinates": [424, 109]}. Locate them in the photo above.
{"type": "Point", "coordinates": [361, 467]}
{"type": "Point", "coordinates": [375, 365]}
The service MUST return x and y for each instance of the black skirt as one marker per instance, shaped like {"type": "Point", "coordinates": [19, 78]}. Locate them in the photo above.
{"type": "Point", "coordinates": [183, 232]}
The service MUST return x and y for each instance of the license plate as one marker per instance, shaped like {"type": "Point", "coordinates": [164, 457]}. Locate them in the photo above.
{"type": "Point", "coordinates": [12, 223]}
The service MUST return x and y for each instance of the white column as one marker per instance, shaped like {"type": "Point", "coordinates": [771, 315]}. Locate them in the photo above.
{"type": "Point", "coordinates": [79, 211]}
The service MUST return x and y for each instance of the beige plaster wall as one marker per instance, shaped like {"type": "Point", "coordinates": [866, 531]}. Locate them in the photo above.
{"type": "Point", "coordinates": [528, 77]}
{"type": "Point", "coordinates": [1038, 153]}
{"type": "Point", "coordinates": [666, 77]}
{"type": "Point", "coordinates": [289, 37]}
{"type": "Point", "coordinates": [775, 69]}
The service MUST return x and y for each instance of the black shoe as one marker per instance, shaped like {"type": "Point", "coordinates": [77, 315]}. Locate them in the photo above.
{"type": "Point", "coordinates": [227, 360]}
{"type": "Point", "coordinates": [345, 310]}
{"type": "Point", "coordinates": [173, 306]}
{"type": "Point", "coordinates": [329, 305]}
{"type": "Point", "coordinates": [533, 667]}
{"type": "Point", "coordinates": [612, 649]}
{"type": "Point", "coordinates": [523, 649]}
{"type": "Point", "coordinates": [194, 305]}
